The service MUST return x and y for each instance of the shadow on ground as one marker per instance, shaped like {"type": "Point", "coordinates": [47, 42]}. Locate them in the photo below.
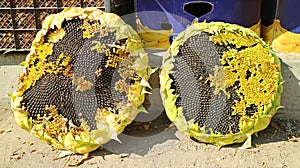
{"type": "Point", "coordinates": [141, 138]}
{"type": "Point", "coordinates": [150, 133]}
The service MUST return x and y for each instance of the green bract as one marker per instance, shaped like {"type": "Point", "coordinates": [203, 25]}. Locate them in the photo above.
{"type": "Point", "coordinates": [220, 83]}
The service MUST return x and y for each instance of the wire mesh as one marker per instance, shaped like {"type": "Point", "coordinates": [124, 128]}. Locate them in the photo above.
{"type": "Point", "coordinates": [42, 14]}
{"type": "Point", "coordinates": [21, 19]}
{"type": "Point", "coordinates": [26, 38]}
{"type": "Point", "coordinates": [7, 40]}
{"type": "Point", "coordinates": [46, 3]}
{"type": "Point", "coordinates": [5, 19]}
{"type": "Point", "coordinates": [25, 19]}
{"type": "Point", "coordinates": [5, 4]}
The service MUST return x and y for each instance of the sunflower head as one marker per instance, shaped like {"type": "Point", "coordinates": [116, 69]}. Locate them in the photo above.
{"type": "Point", "coordinates": [221, 83]}
{"type": "Point", "coordinates": [81, 83]}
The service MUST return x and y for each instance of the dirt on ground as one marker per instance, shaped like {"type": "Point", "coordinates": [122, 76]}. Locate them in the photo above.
{"type": "Point", "coordinates": [155, 143]}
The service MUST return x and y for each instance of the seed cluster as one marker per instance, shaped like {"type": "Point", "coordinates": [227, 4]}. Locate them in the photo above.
{"type": "Point", "coordinates": [195, 63]}
{"type": "Point", "coordinates": [78, 71]}
{"type": "Point", "coordinates": [219, 79]}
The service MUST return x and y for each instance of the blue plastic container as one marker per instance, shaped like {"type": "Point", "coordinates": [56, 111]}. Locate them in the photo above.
{"type": "Point", "coordinates": [281, 24]}
{"type": "Point", "coordinates": [289, 15]}
{"type": "Point", "coordinates": [180, 13]}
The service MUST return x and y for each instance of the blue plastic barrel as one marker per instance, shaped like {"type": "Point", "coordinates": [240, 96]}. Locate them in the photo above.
{"type": "Point", "coordinates": [281, 24]}
{"type": "Point", "coordinates": [289, 15]}
{"type": "Point", "coordinates": [180, 13]}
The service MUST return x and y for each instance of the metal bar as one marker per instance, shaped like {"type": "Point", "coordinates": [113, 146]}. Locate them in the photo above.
{"type": "Point", "coordinates": [13, 17]}
{"type": "Point", "coordinates": [57, 5]}
{"type": "Point", "coordinates": [18, 29]}
{"type": "Point", "coordinates": [107, 5]}
{"type": "Point", "coordinates": [5, 8]}
{"type": "Point", "coordinates": [5, 50]}
{"type": "Point", "coordinates": [35, 14]}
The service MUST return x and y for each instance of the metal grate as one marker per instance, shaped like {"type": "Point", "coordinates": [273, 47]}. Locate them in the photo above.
{"type": "Point", "coordinates": [26, 38]}
{"type": "Point", "coordinates": [72, 3]}
{"type": "Point", "coordinates": [42, 14]}
{"type": "Point", "coordinates": [21, 19]}
{"type": "Point", "coordinates": [7, 40]}
{"type": "Point", "coordinates": [22, 3]}
{"type": "Point", "coordinates": [24, 19]}
{"type": "Point", "coordinates": [5, 19]}
{"type": "Point", "coordinates": [46, 3]}
{"type": "Point", "coordinates": [4, 4]}
{"type": "Point", "coordinates": [91, 3]}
